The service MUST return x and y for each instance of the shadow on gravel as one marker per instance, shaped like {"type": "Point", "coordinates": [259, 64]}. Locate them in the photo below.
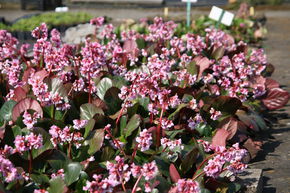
{"type": "Point", "coordinates": [265, 184]}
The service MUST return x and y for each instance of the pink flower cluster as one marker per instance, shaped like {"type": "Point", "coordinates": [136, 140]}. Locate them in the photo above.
{"type": "Point", "coordinates": [28, 142]}
{"type": "Point", "coordinates": [231, 158]}
{"type": "Point", "coordinates": [7, 169]}
{"type": "Point", "coordinates": [29, 120]}
{"type": "Point", "coordinates": [187, 186]}
{"type": "Point", "coordinates": [144, 140]}
{"type": "Point", "coordinates": [65, 135]}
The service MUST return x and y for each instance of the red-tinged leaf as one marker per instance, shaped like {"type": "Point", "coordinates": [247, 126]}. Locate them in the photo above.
{"type": "Point", "coordinates": [200, 103]}
{"type": "Point", "coordinates": [202, 63]}
{"type": "Point", "coordinates": [247, 120]}
{"type": "Point", "coordinates": [220, 137]}
{"type": "Point", "coordinates": [276, 98]}
{"type": "Point", "coordinates": [252, 147]}
{"type": "Point", "coordinates": [257, 81]}
{"type": "Point", "coordinates": [27, 73]}
{"type": "Point", "coordinates": [231, 125]}
{"type": "Point", "coordinates": [19, 94]}
{"type": "Point", "coordinates": [42, 74]}
{"type": "Point", "coordinates": [131, 47]}
{"type": "Point", "coordinates": [25, 104]}
{"type": "Point", "coordinates": [214, 89]}
{"type": "Point", "coordinates": [271, 83]}
{"type": "Point", "coordinates": [173, 190]}
{"type": "Point", "coordinates": [174, 173]}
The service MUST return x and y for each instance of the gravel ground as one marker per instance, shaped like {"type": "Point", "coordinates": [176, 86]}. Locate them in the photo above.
{"type": "Point", "coordinates": [275, 160]}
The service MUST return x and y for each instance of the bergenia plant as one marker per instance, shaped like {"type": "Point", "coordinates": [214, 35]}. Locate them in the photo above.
{"type": "Point", "coordinates": [133, 112]}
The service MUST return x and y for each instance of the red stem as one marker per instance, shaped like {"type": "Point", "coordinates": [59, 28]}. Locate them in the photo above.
{"type": "Point", "coordinates": [136, 184]}
{"type": "Point", "coordinates": [159, 130]}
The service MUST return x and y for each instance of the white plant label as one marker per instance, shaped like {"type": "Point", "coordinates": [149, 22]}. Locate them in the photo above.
{"type": "Point", "coordinates": [191, 1]}
{"type": "Point", "coordinates": [219, 14]}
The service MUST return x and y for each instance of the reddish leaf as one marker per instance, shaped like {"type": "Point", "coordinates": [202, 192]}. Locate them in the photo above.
{"type": "Point", "coordinates": [202, 63]}
{"type": "Point", "coordinates": [42, 74]}
{"type": "Point", "coordinates": [220, 137]}
{"type": "Point", "coordinates": [131, 47]}
{"type": "Point", "coordinates": [25, 104]}
{"type": "Point", "coordinates": [253, 147]}
{"type": "Point", "coordinates": [276, 98]}
{"type": "Point", "coordinates": [247, 120]}
{"type": "Point", "coordinates": [271, 83]}
{"type": "Point", "coordinates": [27, 74]}
{"type": "Point", "coordinates": [174, 173]}
{"type": "Point", "coordinates": [19, 94]}
{"type": "Point", "coordinates": [231, 125]}
{"type": "Point", "coordinates": [257, 81]}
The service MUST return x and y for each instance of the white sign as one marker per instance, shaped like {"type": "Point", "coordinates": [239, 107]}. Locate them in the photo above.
{"type": "Point", "coordinates": [191, 1]}
{"type": "Point", "coordinates": [224, 17]}
{"type": "Point", "coordinates": [61, 9]}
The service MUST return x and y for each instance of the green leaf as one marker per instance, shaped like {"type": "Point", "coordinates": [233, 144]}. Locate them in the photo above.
{"type": "Point", "coordinates": [188, 160]}
{"type": "Point", "coordinates": [103, 86]}
{"type": "Point", "coordinates": [90, 126]}
{"type": "Point", "coordinates": [46, 141]}
{"type": "Point", "coordinates": [218, 53]}
{"type": "Point", "coordinates": [234, 187]}
{"type": "Point", "coordinates": [204, 129]}
{"type": "Point", "coordinates": [171, 116]}
{"type": "Point", "coordinates": [112, 100]}
{"type": "Point", "coordinates": [88, 111]}
{"type": "Point", "coordinates": [72, 172]}
{"type": "Point", "coordinates": [57, 185]}
{"type": "Point", "coordinates": [6, 110]}
{"type": "Point", "coordinates": [144, 102]}
{"type": "Point", "coordinates": [40, 178]}
{"type": "Point", "coordinates": [57, 87]}
{"type": "Point", "coordinates": [132, 125]}
{"type": "Point", "coordinates": [95, 141]}
{"type": "Point", "coordinates": [16, 130]}
{"type": "Point", "coordinates": [191, 68]}
{"type": "Point", "coordinates": [123, 122]}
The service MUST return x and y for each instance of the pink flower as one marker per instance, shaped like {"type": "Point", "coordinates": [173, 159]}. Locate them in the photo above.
{"type": "Point", "coordinates": [28, 142]}
{"type": "Point", "coordinates": [59, 173]}
{"type": "Point", "coordinates": [78, 124]}
{"type": "Point", "coordinates": [7, 169]}
{"type": "Point", "coordinates": [149, 170]}
{"type": "Point", "coordinates": [99, 185]}
{"type": "Point", "coordinates": [40, 32]}
{"type": "Point", "coordinates": [187, 186]}
{"type": "Point", "coordinates": [144, 140]}
{"type": "Point", "coordinates": [215, 115]}
{"type": "Point", "coordinates": [97, 21]}
{"type": "Point", "coordinates": [40, 191]}
{"type": "Point", "coordinates": [118, 171]}
{"type": "Point", "coordinates": [29, 120]}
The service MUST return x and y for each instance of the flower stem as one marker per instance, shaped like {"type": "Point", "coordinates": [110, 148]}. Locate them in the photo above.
{"type": "Point", "coordinates": [136, 184]}
{"type": "Point", "coordinates": [30, 162]}
{"type": "Point", "coordinates": [159, 130]}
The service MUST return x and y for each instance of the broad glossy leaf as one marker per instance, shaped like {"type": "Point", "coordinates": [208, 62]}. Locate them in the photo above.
{"type": "Point", "coordinates": [57, 185]}
{"type": "Point", "coordinates": [57, 87]}
{"type": "Point", "coordinates": [203, 63]}
{"type": "Point", "coordinates": [112, 100]}
{"type": "Point", "coordinates": [6, 110]}
{"type": "Point", "coordinates": [252, 147]}
{"type": "Point", "coordinates": [174, 173]}
{"type": "Point", "coordinates": [231, 125]}
{"type": "Point", "coordinates": [188, 160]}
{"type": "Point", "coordinates": [95, 141]}
{"type": "Point", "coordinates": [132, 125]}
{"type": "Point", "coordinates": [46, 141]}
{"type": "Point", "coordinates": [89, 127]}
{"type": "Point", "coordinates": [220, 137]}
{"type": "Point", "coordinates": [103, 86]}
{"type": "Point", "coordinates": [191, 68]}
{"type": "Point", "coordinates": [19, 94]}
{"type": "Point", "coordinates": [72, 172]}
{"type": "Point", "coordinates": [276, 98]}
{"type": "Point", "coordinates": [25, 104]}
{"type": "Point", "coordinates": [271, 83]}
{"type": "Point", "coordinates": [226, 104]}
{"type": "Point", "coordinates": [88, 111]}
{"type": "Point", "coordinates": [218, 52]}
